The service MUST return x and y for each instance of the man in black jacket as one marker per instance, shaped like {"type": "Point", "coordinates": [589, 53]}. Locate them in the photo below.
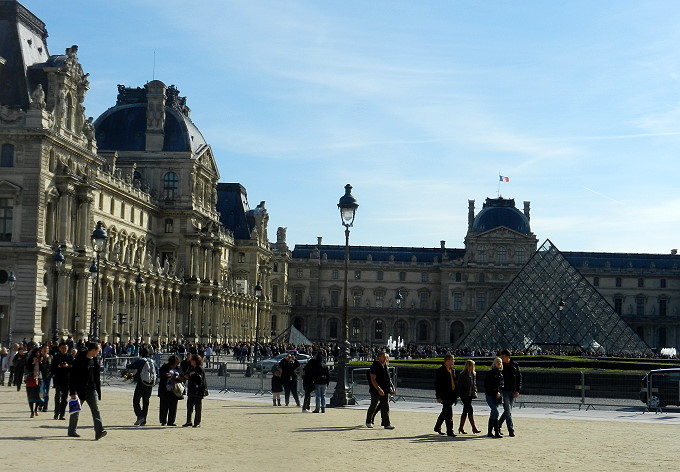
{"type": "Point", "coordinates": [289, 368]}
{"type": "Point", "coordinates": [85, 382]}
{"type": "Point", "coordinates": [512, 384]}
{"type": "Point", "coordinates": [380, 387]}
{"type": "Point", "coordinates": [61, 368]}
{"type": "Point", "coordinates": [445, 392]}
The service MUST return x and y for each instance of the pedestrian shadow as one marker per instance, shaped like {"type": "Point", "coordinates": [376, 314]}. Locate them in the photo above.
{"type": "Point", "coordinates": [324, 428]}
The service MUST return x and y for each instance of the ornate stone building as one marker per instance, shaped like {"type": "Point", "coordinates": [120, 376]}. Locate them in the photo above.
{"type": "Point", "coordinates": [173, 264]}
{"type": "Point", "coordinates": [444, 290]}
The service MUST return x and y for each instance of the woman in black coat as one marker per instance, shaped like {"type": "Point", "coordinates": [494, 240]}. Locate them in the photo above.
{"type": "Point", "coordinates": [493, 386]}
{"type": "Point", "coordinates": [197, 388]}
{"type": "Point", "coordinates": [168, 375]}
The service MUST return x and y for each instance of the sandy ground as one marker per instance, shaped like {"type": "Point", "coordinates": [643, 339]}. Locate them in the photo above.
{"type": "Point", "coordinates": [245, 433]}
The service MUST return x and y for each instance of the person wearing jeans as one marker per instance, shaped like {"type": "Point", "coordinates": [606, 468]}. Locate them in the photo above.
{"type": "Point", "coordinates": [512, 384]}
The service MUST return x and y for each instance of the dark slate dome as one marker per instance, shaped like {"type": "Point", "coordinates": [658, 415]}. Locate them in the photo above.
{"type": "Point", "coordinates": [124, 126]}
{"type": "Point", "coordinates": [498, 212]}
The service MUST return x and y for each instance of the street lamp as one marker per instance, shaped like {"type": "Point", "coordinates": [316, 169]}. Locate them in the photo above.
{"type": "Point", "coordinates": [225, 325]}
{"type": "Point", "coordinates": [139, 283]}
{"type": "Point", "coordinates": [99, 238]}
{"type": "Point", "coordinates": [398, 300]}
{"type": "Point", "coordinates": [76, 318]}
{"type": "Point", "coordinates": [258, 297]}
{"type": "Point", "coordinates": [560, 307]}
{"type": "Point", "coordinates": [342, 396]}
{"type": "Point", "coordinates": [158, 331]}
{"type": "Point", "coordinates": [58, 264]}
{"type": "Point", "coordinates": [12, 280]}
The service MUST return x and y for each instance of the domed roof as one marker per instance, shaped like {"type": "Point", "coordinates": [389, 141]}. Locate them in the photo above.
{"type": "Point", "coordinates": [124, 126]}
{"type": "Point", "coordinates": [498, 212]}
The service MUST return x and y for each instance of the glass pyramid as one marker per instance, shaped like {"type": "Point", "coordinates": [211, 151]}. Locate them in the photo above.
{"type": "Point", "coordinates": [527, 313]}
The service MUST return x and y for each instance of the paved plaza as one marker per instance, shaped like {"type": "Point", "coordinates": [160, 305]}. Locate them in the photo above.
{"type": "Point", "coordinates": [243, 431]}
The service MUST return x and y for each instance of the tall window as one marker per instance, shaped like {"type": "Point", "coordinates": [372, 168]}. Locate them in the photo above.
{"type": "Point", "coordinates": [422, 331]}
{"type": "Point", "coordinates": [7, 155]}
{"type": "Point", "coordinates": [402, 276]}
{"type": "Point", "coordinates": [357, 275]}
{"type": "Point", "coordinates": [500, 255]}
{"type": "Point", "coordinates": [379, 296]}
{"type": "Point", "coordinates": [168, 225]}
{"type": "Point", "coordinates": [481, 256]}
{"type": "Point", "coordinates": [299, 273]}
{"type": "Point", "coordinates": [335, 298]}
{"type": "Point", "coordinates": [519, 254]}
{"type": "Point", "coordinates": [424, 277]}
{"type": "Point", "coordinates": [297, 297]}
{"type": "Point", "coordinates": [276, 266]}
{"type": "Point", "coordinates": [241, 257]}
{"type": "Point", "coordinates": [378, 331]}
{"type": "Point", "coordinates": [356, 328]}
{"type": "Point", "coordinates": [596, 281]}
{"type": "Point", "coordinates": [459, 277]}
{"type": "Point", "coordinates": [6, 210]}
{"type": "Point", "coordinates": [641, 282]}
{"type": "Point", "coordinates": [424, 300]}
{"type": "Point", "coordinates": [335, 275]}
{"type": "Point", "coordinates": [618, 281]}
{"type": "Point", "coordinates": [333, 328]}
{"type": "Point", "coordinates": [618, 305]}
{"type": "Point", "coordinates": [170, 186]}
{"type": "Point", "coordinates": [356, 297]}
{"type": "Point", "coordinates": [273, 325]}
{"type": "Point", "coordinates": [481, 302]}
{"type": "Point", "coordinates": [457, 301]}
{"type": "Point", "coordinates": [662, 283]}
{"type": "Point", "coordinates": [640, 306]}
{"type": "Point", "coordinates": [275, 293]}
{"type": "Point", "coordinates": [662, 307]}
{"type": "Point", "coordinates": [380, 275]}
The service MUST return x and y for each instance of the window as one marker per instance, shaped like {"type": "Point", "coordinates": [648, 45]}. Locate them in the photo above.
{"type": "Point", "coordinates": [481, 256]}
{"type": "Point", "coordinates": [335, 298]}
{"type": "Point", "coordinates": [275, 293]}
{"type": "Point", "coordinates": [402, 276]}
{"type": "Point", "coordinates": [6, 217]}
{"type": "Point", "coordinates": [378, 331]}
{"type": "Point", "coordinates": [276, 266]}
{"type": "Point", "coordinates": [640, 306]}
{"type": "Point", "coordinates": [481, 302]}
{"type": "Point", "coordinates": [379, 297]}
{"type": "Point", "coordinates": [170, 186]}
{"type": "Point", "coordinates": [422, 331]}
{"type": "Point", "coordinates": [618, 305]}
{"type": "Point", "coordinates": [112, 206]}
{"type": "Point", "coordinates": [662, 283]}
{"type": "Point", "coordinates": [424, 277]}
{"type": "Point", "coordinates": [641, 282]}
{"type": "Point", "coordinates": [500, 255]}
{"type": "Point", "coordinates": [101, 201]}
{"type": "Point", "coordinates": [333, 328]}
{"type": "Point", "coordinates": [132, 215]}
{"type": "Point", "coordinates": [596, 281]}
{"type": "Point", "coordinates": [137, 176]}
{"type": "Point", "coordinates": [273, 325]}
{"type": "Point", "coordinates": [299, 273]}
{"type": "Point", "coordinates": [168, 225]}
{"type": "Point", "coordinates": [380, 275]}
{"type": "Point", "coordinates": [122, 209]}
{"type": "Point", "coordinates": [241, 257]}
{"type": "Point", "coordinates": [7, 155]}
{"type": "Point", "coordinates": [663, 307]}
{"type": "Point", "coordinates": [357, 275]}
{"type": "Point", "coordinates": [424, 300]}
{"type": "Point", "coordinates": [457, 301]}
{"type": "Point", "coordinates": [356, 328]}
{"type": "Point", "coordinates": [618, 281]}
{"type": "Point", "coordinates": [297, 296]}
{"type": "Point", "coordinates": [459, 277]}
{"type": "Point", "coordinates": [335, 274]}
{"type": "Point", "coordinates": [356, 297]}
{"type": "Point", "coordinates": [519, 254]}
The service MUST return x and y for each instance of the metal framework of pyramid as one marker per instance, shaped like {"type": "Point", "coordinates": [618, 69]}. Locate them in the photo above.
{"type": "Point", "coordinates": [527, 313]}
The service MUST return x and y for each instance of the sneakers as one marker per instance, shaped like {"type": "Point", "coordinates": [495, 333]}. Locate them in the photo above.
{"type": "Point", "coordinates": [389, 426]}
{"type": "Point", "coordinates": [99, 435]}
{"type": "Point", "coordinates": [369, 425]}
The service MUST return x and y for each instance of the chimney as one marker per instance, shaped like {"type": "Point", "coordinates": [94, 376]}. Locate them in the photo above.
{"type": "Point", "coordinates": [318, 240]}
{"type": "Point", "coordinates": [442, 244]}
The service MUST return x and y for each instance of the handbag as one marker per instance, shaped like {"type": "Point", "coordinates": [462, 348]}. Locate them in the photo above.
{"type": "Point", "coordinates": [32, 381]}
{"type": "Point", "coordinates": [178, 389]}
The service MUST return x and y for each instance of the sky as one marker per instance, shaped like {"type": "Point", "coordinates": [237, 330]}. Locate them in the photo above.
{"type": "Point", "coordinates": [419, 105]}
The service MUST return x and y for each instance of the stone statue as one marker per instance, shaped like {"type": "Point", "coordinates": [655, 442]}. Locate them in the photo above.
{"type": "Point", "coordinates": [38, 98]}
{"type": "Point", "coordinates": [281, 235]}
{"type": "Point", "coordinates": [115, 254]}
{"type": "Point", "coordinates": [88, 129]}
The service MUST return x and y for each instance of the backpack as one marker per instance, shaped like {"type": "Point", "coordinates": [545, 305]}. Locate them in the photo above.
{"type": "Point", "coordinates": [148, 374]}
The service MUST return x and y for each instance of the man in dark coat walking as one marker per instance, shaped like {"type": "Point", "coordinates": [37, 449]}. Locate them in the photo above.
{"type": "Point", "coordinates": [85, 382]}
{"type": "Point", "coordinates": [512, 384]}
{"type": "Point", "coordinates": [445, 392]}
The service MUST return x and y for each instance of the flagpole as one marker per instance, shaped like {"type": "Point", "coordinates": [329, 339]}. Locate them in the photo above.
{"type": "Point", "coordinates": [498, 193]}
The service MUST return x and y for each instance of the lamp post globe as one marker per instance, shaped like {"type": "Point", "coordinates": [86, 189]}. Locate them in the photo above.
{"type": "Point", "coordinates": [343, 396]}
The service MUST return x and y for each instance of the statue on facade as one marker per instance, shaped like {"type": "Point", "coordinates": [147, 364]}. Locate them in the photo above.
{"type": "Point", "coordinates": [38, 98]}
{"type": "Point", "coordinates": [115, 254]}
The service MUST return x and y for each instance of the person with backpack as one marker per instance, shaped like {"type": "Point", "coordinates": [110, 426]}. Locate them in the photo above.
{"type": "Point", "coordinates": [145, 378]}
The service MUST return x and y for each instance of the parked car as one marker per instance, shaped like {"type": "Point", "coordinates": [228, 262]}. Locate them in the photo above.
{"type": "Point", "coordinates": [268, 364]}
{"type": "Point", "coordinates": [664, 385]}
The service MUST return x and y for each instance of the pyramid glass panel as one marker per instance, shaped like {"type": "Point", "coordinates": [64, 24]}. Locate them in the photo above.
{"type": "Point", "coordinates": [527, 313]}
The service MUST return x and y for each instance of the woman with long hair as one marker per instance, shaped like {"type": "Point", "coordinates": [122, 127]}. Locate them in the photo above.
{"type": "Point", "coordinates": [33, 380]}
{"type": "Point", "coordinates": [467, 390]}
{"type": "Point", "coordinates": [197, 388]}
{"type": "Point", "coordinates": [493, 387]}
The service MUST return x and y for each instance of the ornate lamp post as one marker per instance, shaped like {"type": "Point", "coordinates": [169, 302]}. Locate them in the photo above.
{"type": "Point", "coordinates": [139, 284]}
{"type": "Point", "coordinates": [12, 280]}
{"type": "Point", "coordinates": [560, 306]}
{"type": "Point", "coordinates": [342, 396]}
{"type": "Point", "coordinates": [76, 319]}
{"type": "Point", "coordinates": [58, 264]}
{"type": "Point", "coordinates": [158, 332]}
{"type": "Point", "coordinates": [99, 238]}
{"type": "Point", "coordinates": [258, 297]}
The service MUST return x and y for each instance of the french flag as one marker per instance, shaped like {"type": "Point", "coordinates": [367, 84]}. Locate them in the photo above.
{"type": "Point", "coordinates": [504, 179]}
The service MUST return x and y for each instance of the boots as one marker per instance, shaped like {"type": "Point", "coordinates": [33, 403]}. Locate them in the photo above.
{"type": "Point", "coordinates": [274, 402]}
{"type": "Point", "coordinates": [491, 425]}
{"type": "Point", "coordinates": [278, 402]}
{"type": "Point", "coordinates": [497, 430]}
{"type": "Point", "coordinates": [472, 423]}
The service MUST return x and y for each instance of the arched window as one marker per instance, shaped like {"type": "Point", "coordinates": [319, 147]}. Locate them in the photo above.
{"type": "Point", "coordinates": [402, 329]}
{"type": "Point", "coordinates": [378, 330]}
{"type": "Point", "coordinates": [355, 331]}
{"type": "Point", "coordinates": [170, 186]}
{"type": "Point", "coordinates": [333, 328]}
{"type": "Point", "coordinates": [297, 322]}
{"type": "Point", "coordinates": [7, 155]}
{"type": "Point", "coordinates": [456, 331]}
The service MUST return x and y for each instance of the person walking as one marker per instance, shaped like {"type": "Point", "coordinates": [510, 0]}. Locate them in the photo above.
{"type": "Point", "coordinates": [512, 384]}
{"type": "Point", "coordinates": [169, 375]}
{"type": "Point", "coordinates": [289, 369]}
{"type": "Point", "coordinates": [85, 384]}
{"type": "Point", "coordinates": [493, 388]}
{"type": "Point", "coordinates": [380, 387]}
{"type": "Point", "coordinates": [18, 366]}
{"type": "Point", "coordinates": [445, 392]}
{"type": "Point", "coordinates": [33, 380]}
{"type": "Point", "coordinates": [61, 368]}
{"type": "Point", "coordinates": [277, 386]}
{"type": "Point", "coordinates": [145, 379]}
{"type": "Point", "coordinates": [308, 373]}
{"type": "Point", "coordinates": [322, 376]}
{"type": "Point", "coordinates": [197, 388]}
{"type": "Point", "coordinates": [45, 377]}
{"type": "Point", "coordinates": [467, 390]}
{"type": "Point", "coordinates": [4, 364]}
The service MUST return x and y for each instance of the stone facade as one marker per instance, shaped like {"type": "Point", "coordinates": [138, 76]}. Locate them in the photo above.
{"type": "Point", "coordinates": [154, 188]}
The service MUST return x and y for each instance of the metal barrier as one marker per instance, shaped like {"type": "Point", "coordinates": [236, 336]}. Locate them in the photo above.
{"type": "Point", "coordinates": [364, 370]}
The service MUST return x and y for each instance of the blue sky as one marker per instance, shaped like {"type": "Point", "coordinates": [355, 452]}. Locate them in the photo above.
{"type": "Point", "coordinates": [418, 104]}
